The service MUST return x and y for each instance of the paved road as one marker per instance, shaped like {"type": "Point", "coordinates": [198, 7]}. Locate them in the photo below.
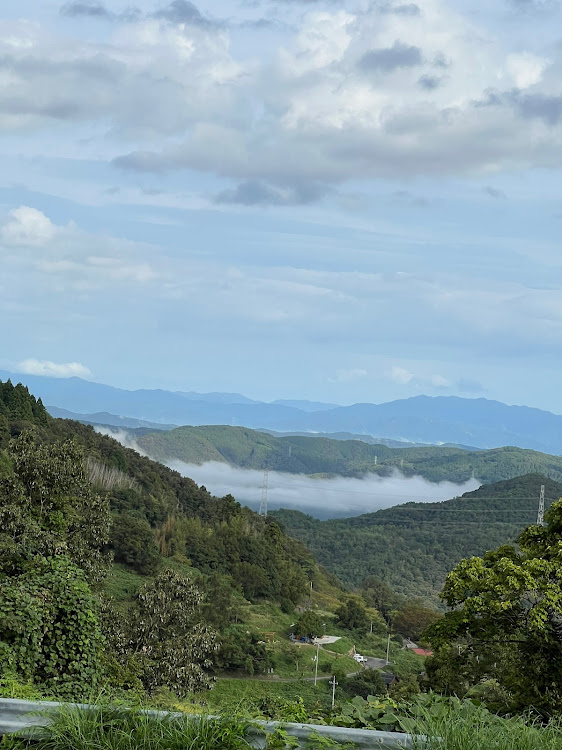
{"type": "Point", "coordinates": [373, 663]}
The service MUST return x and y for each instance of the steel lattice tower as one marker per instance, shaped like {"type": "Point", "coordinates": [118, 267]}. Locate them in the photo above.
{"type": "Point", "coordinates": [263, 504]}
{"type": "Point", "coordinates": [540, 514]}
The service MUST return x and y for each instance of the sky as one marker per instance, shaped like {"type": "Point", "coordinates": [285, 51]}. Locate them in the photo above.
{"type": "Point", "coordinates": [346, 201]}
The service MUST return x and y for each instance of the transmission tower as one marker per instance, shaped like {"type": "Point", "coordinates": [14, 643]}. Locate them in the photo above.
{"type": "Point", "coordinates": [540, 514]}
{"type": "Point", "coordinates": [263, 504]}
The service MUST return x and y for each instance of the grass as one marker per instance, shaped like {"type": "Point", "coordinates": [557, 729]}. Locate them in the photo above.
{"type": "Point", "coordinates": [122, 583]}
{"type": "Point", "coordinates": [468, 733]}
{"type": "Point", "coordinates": [230, 694]}
{"type": "Point", "coordinates": [110, 728]}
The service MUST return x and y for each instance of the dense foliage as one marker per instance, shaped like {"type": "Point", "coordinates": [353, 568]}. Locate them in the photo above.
{"type": "Point", "coordinates": [412, 547]}
{"type": "Point", "coordinates": [506, 621]}
{"type": "Point", "coordinates": [49, 630]}
{"type": "Point", "coordinates": [47, 508]}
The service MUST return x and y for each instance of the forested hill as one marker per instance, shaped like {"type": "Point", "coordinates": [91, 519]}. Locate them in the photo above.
{"type": "Point", "coordinates": [240, 446]}
{"type": "Point", "coordinates": [413, 546]}
{"type": "Point", "coordinates": [160, 517]}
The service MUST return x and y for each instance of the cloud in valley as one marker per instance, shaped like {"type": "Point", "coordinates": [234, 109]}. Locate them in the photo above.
{"type": "Point", "coordinates": [323, 498]}
{"type": "Point", "coordinates": [340, 496]}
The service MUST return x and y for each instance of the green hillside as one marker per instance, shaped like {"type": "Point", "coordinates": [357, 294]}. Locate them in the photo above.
{"type": "Point", "coordinates": [412, 547]}
{"type": "Point", "coordinates": [57, 480]}
{"type": "Point", "coordinates": [240, 446]}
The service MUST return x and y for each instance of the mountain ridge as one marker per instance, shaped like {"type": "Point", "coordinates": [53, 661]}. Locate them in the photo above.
{"type": "Point", "coordinates": [252, 449]}
{"type": "Point", "coordinates": [482, 423]}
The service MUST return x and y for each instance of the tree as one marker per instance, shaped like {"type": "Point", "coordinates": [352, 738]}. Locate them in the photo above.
{"type": "Point", "coordinates": [164, 635]}
{"type": "Point", "coordinates": [353, 615]}
{"type": "Point", "coordinates": [506, 617]}
{"type": "Point", "coordinates": [413, 618]}
{"type": "Point", "coordinates": [134, 544]}
{"type": "Point", "coordinates": [379, 595]}
{"type": "Point", "coordinates": [47, 508]}
{"type": "Point", "coordinates": [309, 624]}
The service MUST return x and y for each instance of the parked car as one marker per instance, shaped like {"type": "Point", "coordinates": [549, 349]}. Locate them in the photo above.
{"type": "Point", "coordinates": [360, 659]}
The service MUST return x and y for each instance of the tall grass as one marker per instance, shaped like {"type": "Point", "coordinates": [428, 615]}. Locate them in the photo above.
{"type": "Point", "coordinates": [478, 730]}
{"type": "Point", "coordinates": [111, 728]}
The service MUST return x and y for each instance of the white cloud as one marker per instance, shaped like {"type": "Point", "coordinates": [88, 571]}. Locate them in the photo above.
{"type": "Point", "coordinates": [526, 69]}
{"type": "Point", "coordinates": [28, 227]}
{"type": "Point", "coordinates": [181, 96]}
{"type": "Point", "coordinates": [401, 375]}
{"type": "Point", "coordinates": [52, 369]}
{"type": "Point", "coordinates": [438, 381]}
{"type": "Point", "coordinates": [323, 497]}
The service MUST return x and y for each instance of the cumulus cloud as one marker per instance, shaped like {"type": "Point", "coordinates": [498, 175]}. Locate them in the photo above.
{"type": "Point", "coordinates": [406, 9]}
{"type": "Point", "coordinates": [92, 9]}
{"type": "Point", "coordinates": [47, 368]}
{"type": "Point", "coordinates": [347, 95]}
{"type": "Point", "coordinates": [400, 55]}
{"type": "Point", "coordinates": [28, 227]}
{"type": "Point", "coordinates": [401, 375]}
{"type": "Point", "coordinates": [429, 83]}
{"type": "Point", "coordinates": [183, 11]}
{"type": "Point", "coordinates": [257, 193]}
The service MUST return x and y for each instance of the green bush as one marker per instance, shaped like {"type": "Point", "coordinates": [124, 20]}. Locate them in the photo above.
{"type": "Point", "coordinates": [49, 631]}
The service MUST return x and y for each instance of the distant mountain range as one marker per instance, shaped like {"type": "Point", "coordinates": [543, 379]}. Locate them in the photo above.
{"type": "Point", "coordinates": [444, 419]}
{"type": "Point", "coordinates": [107, 419]}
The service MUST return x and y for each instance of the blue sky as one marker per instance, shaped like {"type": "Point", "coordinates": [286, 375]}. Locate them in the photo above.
{"type": "Point", "coordinates": [341, 201]}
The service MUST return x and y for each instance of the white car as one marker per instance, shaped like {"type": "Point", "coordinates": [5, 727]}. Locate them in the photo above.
{"type": "Point", "coordinates": [360, 659]}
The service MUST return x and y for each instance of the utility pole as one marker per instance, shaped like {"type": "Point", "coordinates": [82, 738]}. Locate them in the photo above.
{"type": "Point", "coordinates": [376, 460]}
{"type": "Point", "coordinates": [333, 683]}
{"type": "Point", "coordinates": [540, 514]}
{"type": "Point", "coordinates": [388, 649]}
{"type": "Point", "coordinates": [263, 504]}
{"type": "Point", "coordinates": [316, 665]}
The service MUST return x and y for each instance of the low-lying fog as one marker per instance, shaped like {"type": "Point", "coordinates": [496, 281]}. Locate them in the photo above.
{"type": "Point", "coordinates": [322, 498]}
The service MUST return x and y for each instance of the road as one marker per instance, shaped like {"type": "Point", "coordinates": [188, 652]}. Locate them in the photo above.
{"type": "Point", "coordinates": [373, 663]}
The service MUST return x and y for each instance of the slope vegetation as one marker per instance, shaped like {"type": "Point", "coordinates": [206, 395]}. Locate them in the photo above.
{"type": "Point", "coordinates": [242, 447]}
{"type": "Point", "coordinates": [413, 546]}
{"type": "Point", "coordinates": [160, 516]}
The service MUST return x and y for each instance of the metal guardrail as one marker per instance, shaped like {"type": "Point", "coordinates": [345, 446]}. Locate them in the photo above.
{"type": "Point", "coordinates": [20, 715]}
